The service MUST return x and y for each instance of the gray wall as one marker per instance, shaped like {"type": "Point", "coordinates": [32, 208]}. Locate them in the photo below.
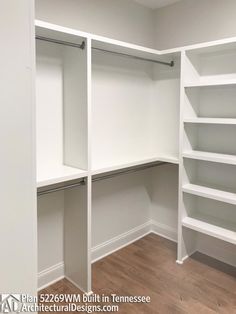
{"type": "Point", "coordinates": [194, 21]}
{"type": "Point", "coordinates": [120, 19]}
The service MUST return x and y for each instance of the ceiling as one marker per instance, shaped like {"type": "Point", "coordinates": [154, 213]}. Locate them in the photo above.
{"type": "Point", "coordinates": [155, 4]}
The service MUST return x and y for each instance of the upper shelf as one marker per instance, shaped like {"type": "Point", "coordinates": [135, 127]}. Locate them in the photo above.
{"type": "Point", "coordinates": [133, 163]}
{"type": "Point", "coordinates": [58, 174]}
{"type": "Point", "coordinates": [210, 82]}
{"type": "Point", "coordinates": [53, 29]}
{"type": "Point", "coordinates": [210, 120]}
{"type": "Point", "coordinates": [67, 34]}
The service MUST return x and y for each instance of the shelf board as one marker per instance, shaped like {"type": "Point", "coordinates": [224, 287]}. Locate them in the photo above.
{"type": "Point", "coordinates": [203, 224]}
{"type": "Point", "coordinates": [210, 120]}
{"type": "Point", "coordinates": [68, 34]}
{"type": "Point", "coordinates": [211, 82]}
{"type": "Point", "coordinates": [134, 163]}
{"type": "Point", "coordinates": [213, 157]}
{"type": "Point", "coordinates": [206, 192]}
{"type": "Point", "coordinates": [58, 174]}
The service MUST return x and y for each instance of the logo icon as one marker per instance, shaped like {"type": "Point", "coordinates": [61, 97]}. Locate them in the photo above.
{"type": "Point", "coordinates": [10, 303]}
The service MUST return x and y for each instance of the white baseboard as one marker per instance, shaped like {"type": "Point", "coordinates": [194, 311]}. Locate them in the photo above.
{"type": "Point", "coordinates": [164, 231]}
{"type": "Point", "coordinates": [56, 272]}
{"type": "Point", "coordinates": [50, 275]}
{"type": "Point", "coordinates": [77, 286]}
{"type": "Point", "coordinates": [116, 243]}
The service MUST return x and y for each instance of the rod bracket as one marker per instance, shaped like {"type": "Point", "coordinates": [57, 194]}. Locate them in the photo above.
{"type": "Point", "coordinates": [82, 46]}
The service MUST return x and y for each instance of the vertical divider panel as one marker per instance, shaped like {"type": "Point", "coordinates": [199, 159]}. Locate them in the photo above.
{"type": "Point", "coordinates": [75, 107]}
{"type": "Point", "coordinates": [89, 161]}
{"type": "Point", "coordinates": [77, 216]}
{"type": "Point", "coordinates": [180, 253]}
{"type": "Point", "coordinates": [186, 238]}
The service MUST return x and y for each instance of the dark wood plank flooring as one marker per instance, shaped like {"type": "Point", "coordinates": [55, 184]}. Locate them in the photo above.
{"type": "Point", "coordinates": [147, 267]}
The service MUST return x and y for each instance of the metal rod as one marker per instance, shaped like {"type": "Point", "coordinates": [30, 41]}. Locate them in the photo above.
{"type": "Point", "coordinates": [62, 188]}
{"type": "Point", "coordinates": [103, 177]}
{"type": "Point", "coordinates": [61, 42]}
{"type": "Point", "coordinates": [171, 64]}
{"type": "Point", "coordinates": [125, 171]}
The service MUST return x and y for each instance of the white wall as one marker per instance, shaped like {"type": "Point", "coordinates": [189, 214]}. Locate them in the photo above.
{"type": "Point", "coordinates": [119, 19]}
{"type": "Point", "coordinates": [182, 23]}
{"type": "Point", "coordinates": [194, 21]}
{"type": "Point", "coordinates": [17, 167]}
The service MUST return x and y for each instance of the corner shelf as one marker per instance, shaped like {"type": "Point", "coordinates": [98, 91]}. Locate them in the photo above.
{"type": "Point", "coordinates": [206, 192]}
{"type": "Point", "coordinates": [134, 163]}
{"type": "Point", "coordinates": [202, 224]}
{"type": "Point", "coordinates": [210, 120]}
{"type": "Point", "coordinates": [58, 175]}
{"type": "Point", "coordinates": [207, 156]}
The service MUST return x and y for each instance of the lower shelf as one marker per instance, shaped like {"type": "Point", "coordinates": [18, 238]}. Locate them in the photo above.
{"type": "Point", "coordinates": [203, 224]}
{"type": "Point", "coordinates": [58, 174]}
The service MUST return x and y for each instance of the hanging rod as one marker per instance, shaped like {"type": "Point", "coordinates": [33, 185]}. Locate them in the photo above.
{"type": "Point", "coordinates": [103, 177]}
{"type": "Point", "coordinates": [61, 42]}
{"type": "Point", "coordinates": [62, 188]}
{"type": "Point", "coordinates": [125, 171]}
{"type": "Point", "coordinates": [170, 64]}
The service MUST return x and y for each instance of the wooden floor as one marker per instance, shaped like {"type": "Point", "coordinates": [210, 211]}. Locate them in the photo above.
{"type": "Point", "coordinates": [148, 267]}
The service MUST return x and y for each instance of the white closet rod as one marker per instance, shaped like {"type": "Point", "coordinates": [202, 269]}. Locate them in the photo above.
{"type": "Point", "coordinates": [103, 177]}
{"type": "Point", "coordinates": [61, 42]}
{"type": "Point", "coordinates": [170, 64]}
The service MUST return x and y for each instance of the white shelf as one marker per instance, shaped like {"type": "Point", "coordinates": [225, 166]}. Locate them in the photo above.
{"type": "Point", "coordinates": [213, 157]}
{"type": "Point", "coordinates": [58, 174]}
{"type": "Point", "coordinates": [211, 82]}
{"type": "Point", "coordinates": [206, 192]}
{"type": "Point", "coordinates": [210, 120]}
{"type": "Point", "coordinates": [203, 224]}
{"type": "Point", "coordinates": [134, 163]}
{"type": "Point", "coordinates": [64, 33]}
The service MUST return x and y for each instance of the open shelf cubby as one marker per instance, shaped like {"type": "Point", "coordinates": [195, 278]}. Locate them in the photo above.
{"type": "Point", "coordinates": [211, 217]}
{"type": "Point", "coordinates": [216, 139]}
{"type": "Point", "coordinates": [210, 103]}
{"type": "Point", "coordinates": [131, 110]}
{"type": "Point", "coordinates": [211, 66]}
{"type": "Point", "coordinates": [61, 112]}
{"type": "Point", "coordinates": [210, 179]}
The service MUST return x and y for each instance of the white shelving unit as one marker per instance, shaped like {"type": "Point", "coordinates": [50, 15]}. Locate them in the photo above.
{"type": "Point", "coordinates": [99, 112]}
{"type": "Point", "coordinates": [61, 112]}
{"type": "Point", "coordinates": [207, 162]}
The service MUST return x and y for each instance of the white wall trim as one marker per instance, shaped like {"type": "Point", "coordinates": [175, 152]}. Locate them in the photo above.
{"type": "Point", "coordinates": [163, 230]}
{"type": "Point", "coordinates": [122, 240]}
{"type": "Point", "coordinates": [50, 275]}
{"type": "Point", "coordinates": [55, 273]}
